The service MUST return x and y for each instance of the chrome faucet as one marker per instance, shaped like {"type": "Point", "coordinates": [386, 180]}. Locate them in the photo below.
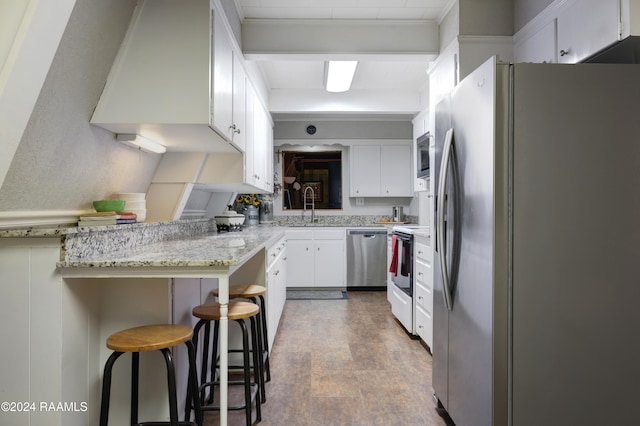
{"type": "Point", "coordinates": [313, 203]}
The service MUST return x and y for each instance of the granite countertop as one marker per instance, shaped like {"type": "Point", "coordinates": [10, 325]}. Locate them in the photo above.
{"type": "Point", "coordinates": [211, 249]}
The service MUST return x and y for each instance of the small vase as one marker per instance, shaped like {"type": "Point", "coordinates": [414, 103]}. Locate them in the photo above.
{"type": "Point", "coordinates": [252, 215]}
{"type": "Point", "coordinates": [266, 209]}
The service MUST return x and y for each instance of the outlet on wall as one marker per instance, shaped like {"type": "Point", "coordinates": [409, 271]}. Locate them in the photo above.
{"type": "Point", "coordinates": [359, 201]}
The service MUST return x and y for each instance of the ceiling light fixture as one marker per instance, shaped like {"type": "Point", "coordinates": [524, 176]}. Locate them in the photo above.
{"type": "Point", "coordinates": [141, 143]}
{"type": "Point", "coordinates": [338, 75]}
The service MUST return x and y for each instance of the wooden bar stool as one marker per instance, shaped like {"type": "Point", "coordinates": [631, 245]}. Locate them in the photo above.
{"type": "Point", "coordinates": [253, 292]}
{"type": "Point", "coordinates": [237, 312]}
{"type": "Point", "coordinates": [159, 337]}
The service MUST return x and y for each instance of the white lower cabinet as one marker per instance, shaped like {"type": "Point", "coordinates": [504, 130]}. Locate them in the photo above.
{"type": "Point", "coordinates": [423, 289]}
{"type": "Point", "coordinates": [276, 286]}
{"type": "Point", "coordinates": [316, 257]}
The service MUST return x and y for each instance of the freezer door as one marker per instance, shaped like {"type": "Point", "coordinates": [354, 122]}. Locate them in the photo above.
{"type": "Point", "coordinates": [576, 322]}
{"type": "Point", "coordinates": [440, 349]}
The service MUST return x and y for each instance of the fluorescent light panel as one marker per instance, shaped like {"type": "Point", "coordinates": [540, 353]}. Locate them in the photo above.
{"type": "Point", "coordinates": [140, 142]}
{"type": "Point", "coordinates": [339, 75]}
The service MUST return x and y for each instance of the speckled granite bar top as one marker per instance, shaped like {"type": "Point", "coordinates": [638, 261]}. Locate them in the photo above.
{"type": "Point", "coordinates": [211, 249]}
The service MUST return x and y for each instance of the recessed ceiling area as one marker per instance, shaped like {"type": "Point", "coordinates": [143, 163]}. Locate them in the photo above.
{"type": "Point", "coordinates": [393, 40]}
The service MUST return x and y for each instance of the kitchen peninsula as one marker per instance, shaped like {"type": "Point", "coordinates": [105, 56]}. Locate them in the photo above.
{"type": "Point", "coordinates": [107, 279]}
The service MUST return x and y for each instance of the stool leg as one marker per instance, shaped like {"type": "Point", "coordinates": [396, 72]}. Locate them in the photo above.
{"type": "Point", "coordinates": [257, 360]}
{"type": "Point", "coordinates": [214, 357]}
{"type": "Point", "coordinates": [192, 390]}
{"type": "Point", "coordinates": [171, 381]}
{"type": "Point", "coordinates": [135, 377]}
{"type": "Point", "coordinates": [259, 369]}
{"type": "Point", "coordinates": [205, 358]}
{"type": "Point", "coordinates": [194, 398]}
{"type": "Point", "coordinates": [106, 388]}
{"type": "Point", "coordinates": [265, 347]}
{"type": "Point", "coordinates": [247, 373]}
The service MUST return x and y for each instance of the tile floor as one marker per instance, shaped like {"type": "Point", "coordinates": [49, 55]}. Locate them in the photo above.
{"type": "Point", "coordinates": [345, 362]}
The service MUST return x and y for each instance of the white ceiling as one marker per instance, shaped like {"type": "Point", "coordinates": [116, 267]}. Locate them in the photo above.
{"type": "Point", "coordinates": [342, 9]}
{"type": "Point", "coordinates": [374, 74]}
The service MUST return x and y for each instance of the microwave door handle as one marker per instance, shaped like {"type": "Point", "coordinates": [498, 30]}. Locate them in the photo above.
{"type": "Point", "coordinates": [440, 224]}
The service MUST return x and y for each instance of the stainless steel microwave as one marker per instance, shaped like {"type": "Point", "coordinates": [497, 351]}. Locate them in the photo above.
{"type": "Point", "coordinates": [422, 155]}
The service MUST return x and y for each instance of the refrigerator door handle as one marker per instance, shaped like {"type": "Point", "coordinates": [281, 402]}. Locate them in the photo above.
{"type": "Point", "coordinates": [440, 228]}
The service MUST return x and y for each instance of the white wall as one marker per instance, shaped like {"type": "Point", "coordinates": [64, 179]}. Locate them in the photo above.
{"type": "Point", "coordinates": [333, 135]}
{"type": "Point", "coordinates": [525, 10]}
{"type": "Point", "coordinates": [29, 35]}
{"type": "Point", "coordinates": [62, 162]}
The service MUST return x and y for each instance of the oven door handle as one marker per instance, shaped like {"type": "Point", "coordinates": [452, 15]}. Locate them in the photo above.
{"type": "Point", "coordinates": [440, 224]}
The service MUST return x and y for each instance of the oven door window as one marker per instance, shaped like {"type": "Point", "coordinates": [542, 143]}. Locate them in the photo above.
{"type": "Point", "coordinates": [403, 280]}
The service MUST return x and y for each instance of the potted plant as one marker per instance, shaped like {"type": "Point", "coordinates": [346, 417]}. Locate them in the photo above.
{"type": "Point", "coordinates": [248, 205]}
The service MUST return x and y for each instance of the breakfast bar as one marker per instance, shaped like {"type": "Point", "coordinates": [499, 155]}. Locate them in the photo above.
{"type": "Point", "coordinates": [143, 280]}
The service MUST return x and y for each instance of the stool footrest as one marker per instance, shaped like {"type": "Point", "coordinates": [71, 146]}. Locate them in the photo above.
{"type": "Point", "coordinates": [254, 393]}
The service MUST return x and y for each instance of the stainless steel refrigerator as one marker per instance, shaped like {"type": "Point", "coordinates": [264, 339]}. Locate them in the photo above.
{"type": "Point", "coordinates": [537, 212]}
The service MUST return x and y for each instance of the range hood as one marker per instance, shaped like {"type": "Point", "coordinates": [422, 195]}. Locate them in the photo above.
{"type": "Point", "coordinates": [160, 84]}
{"type": "Point", "coordinates": [626, 51]}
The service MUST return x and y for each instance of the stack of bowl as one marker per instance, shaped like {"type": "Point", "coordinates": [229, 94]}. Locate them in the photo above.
{"type": "Point", "coordinates": [135, 204]}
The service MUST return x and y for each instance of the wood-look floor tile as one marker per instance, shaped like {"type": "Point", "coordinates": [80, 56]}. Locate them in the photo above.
{"type": "Point", "coordinates": [345, 362]}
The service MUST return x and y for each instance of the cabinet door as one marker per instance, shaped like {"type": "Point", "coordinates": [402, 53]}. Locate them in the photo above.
{"type": "Point", "coordinates": [365, 175]}
{"type": "Point", "coordinates": [222, 84]}
{"type": "Point", "coordinates": [330, 261]}
{"type": "Point", "coordinates": [268, 151]}
{"type": "Point", "coordinates": [300, 263]}
{"type": "Point", "coordinates": [424, 325]}
{"type": "Point", "coordinates": [250, 141]}
{"type": "Point", "coordinates": [396, 168]}
{"type": "Point", "coordinates": [585, 27]}
{"type": "Point", "coordinates": [260, 144]}
{"type": "Point", "coordinates": [540, 47]}
{"type": "Point", "coordinates": [238, 131]}
{"type": "Point", "coordinates": [276, 295]}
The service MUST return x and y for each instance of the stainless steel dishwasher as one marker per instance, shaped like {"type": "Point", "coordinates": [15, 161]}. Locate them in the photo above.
{"type": "Point", "coordinates": [367, 258]}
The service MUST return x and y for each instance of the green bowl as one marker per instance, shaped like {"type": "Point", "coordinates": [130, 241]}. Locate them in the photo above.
{"type": "Point", "coordinates": [109, 205]}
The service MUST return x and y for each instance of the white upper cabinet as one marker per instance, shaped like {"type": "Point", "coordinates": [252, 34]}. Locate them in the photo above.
{"type": "Point", "coordinates": [396, 171]}
{"type": "Point", "coordinates": [259, 142]}
{"type": "Point", "coordinates": [585, 27]}
{"type": "Point", "coordinates": [228, 86]}
{"type": "Point", "coordinates": [365, 170]}
{"type": "Point", "coordinates": [571, 31]}
{"type": "Point", "coordinates": [540, 47]}
{"type": "Point", "coordinates": [240, 118]}
{"type": "Point", "coordinates": [379, 170]}
{"type": "Point", "coordinates": [174, 79]}
{"type": "Point", "coordinates": [222, 79]}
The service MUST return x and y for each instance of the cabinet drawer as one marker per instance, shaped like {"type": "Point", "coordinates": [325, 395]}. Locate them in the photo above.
{"type": "Point", "coordinates": [424, 274]}
{"type": "Point", "coordinates": [424, 297]}
{"type": "Point", "coordinates": [423, 252]}
{"type": "Point", "coordinates": [329, 234]}
{"type": "Point", "coordinates": [424, 325]}
{"type": "Point", "coordinates": [274, 251]}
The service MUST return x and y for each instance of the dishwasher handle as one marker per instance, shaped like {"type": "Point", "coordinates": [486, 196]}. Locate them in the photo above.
{"type": "Point", "coordinates": [367, 234]}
